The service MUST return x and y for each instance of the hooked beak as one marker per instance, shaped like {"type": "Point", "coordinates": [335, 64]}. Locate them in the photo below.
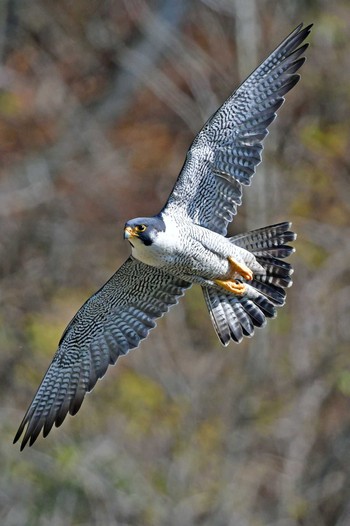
{"type": "Point", "coordinates": [129, 232]}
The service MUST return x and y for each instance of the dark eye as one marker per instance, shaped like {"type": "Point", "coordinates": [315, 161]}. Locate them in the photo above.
{"type": "Point", "coordinates": [141, 228]}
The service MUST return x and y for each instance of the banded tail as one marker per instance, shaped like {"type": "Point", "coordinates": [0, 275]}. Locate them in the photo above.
{"type": "Point", "coordinates": [236, 316]}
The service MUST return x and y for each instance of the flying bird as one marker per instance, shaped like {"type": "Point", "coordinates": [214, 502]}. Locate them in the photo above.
{"type": "Point", "coordinates": [243, 278]}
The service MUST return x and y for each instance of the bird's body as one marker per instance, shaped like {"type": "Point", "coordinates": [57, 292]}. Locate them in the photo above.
{"type": "Point", "coordinates": [243, 278]}
{"type": "Point", "coordinates": [190, 251]}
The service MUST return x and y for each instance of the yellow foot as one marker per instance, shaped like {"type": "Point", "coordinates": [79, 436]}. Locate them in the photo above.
{"type": "Point", "coordinates": [233, 286]}
{"type": "Point", "coordinates": [241, 269]}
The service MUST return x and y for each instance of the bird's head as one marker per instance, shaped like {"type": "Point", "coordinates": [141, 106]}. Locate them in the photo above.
{"type": "Point", "coordinates": [143, 229]}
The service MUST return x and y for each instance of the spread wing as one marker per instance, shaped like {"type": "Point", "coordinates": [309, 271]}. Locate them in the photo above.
{"type": "Point", "coordinates": [108, 325]}
{"type": "Point", "coordinates": [225, 153]}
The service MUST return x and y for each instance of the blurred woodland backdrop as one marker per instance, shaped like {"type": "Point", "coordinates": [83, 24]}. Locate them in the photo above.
{"type": "Point", "coordinates": [99, 102]}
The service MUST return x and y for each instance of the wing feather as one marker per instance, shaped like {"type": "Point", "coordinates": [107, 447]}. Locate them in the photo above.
{"type": "Point", "coordinates": [108, 325]}
{"type": "Point", "coordinates": [229, 146]}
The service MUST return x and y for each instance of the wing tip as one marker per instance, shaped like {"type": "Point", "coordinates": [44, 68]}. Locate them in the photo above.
{"type": "Point", "coordinates": [25, 423]}
{"type": "Point", "coordinates": [33, 428]}
{"type": "Point", "coordinates": [27, 437]}
{"type": "Point", "coordinates": [295, 39]}
{"type": "Point", "coordinates": [302, 29]}
{"type": "Point", "coordinates": [18, 434]}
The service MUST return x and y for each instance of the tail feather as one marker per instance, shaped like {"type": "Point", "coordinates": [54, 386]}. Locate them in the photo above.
{"type": "Point", "coordinates": [276, 267]}
{"type": "Point", "coordinates": [277, 272]}
{"type": "Point", "coordinates": [266, 307]}
{"type": "Point", "coordinates": [231, 318]}
{"type": "Point", "coordinates": [236, 330]}
{"type": "Point", "coordinates": [244, 319]}
{"type": "Point", "coordinates": [264, 237]}
{"type": "Point", "coordinates": [276, 294]}
{"type": "Point", "coordinates": [236, 316]}
{"type": "Point", "coordinates": [255, 314]}
{"type": "Point", "coordinates": [280, 252]}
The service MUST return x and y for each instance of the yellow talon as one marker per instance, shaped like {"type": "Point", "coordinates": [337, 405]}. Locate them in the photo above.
{"type": "Point", "coordinates": [241, 269]}
{"type": "Point", "coordinates": [233, 286]}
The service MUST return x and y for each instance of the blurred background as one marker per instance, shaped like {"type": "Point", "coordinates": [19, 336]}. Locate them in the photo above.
{"type": "Point", "coordinates": [99, 102]}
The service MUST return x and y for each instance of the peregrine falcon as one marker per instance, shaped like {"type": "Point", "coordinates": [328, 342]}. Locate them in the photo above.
{"type": "Point", "coordinates": [243, 277]}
